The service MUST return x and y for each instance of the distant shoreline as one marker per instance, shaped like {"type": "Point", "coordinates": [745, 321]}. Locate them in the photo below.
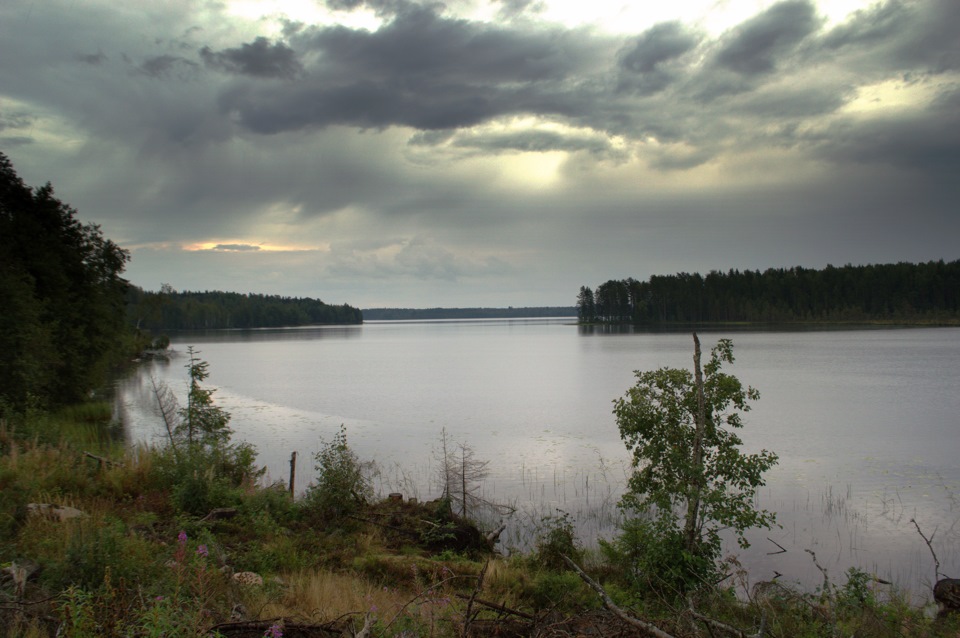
{"type": "Point", "coordinates": [406, 314]}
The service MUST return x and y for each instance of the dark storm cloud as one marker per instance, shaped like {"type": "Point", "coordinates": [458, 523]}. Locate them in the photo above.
{"type": "Point", "coordinates": [659, 44]}
{"type": "Point", "coordinates": [163, 66]}
{"type": "Point", "coordinates": [919, 37]}
{"type": "Point", "coordinates": [925, 141]}
{"type": "Point", "coordinates": [530, 141]}
{"type": "Point", "coordinates": [421, 70]}
{"type": "Point", "coordinates": [646, 61]}
{"type": "Point", "coordinates": [94, 59]}
{"type": "Point", "coordinates": [757, 45]}
{"type": "Point", "coordinates": [257, 59]}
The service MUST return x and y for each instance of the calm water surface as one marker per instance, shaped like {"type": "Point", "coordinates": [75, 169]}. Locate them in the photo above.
{"type": "Point", "coordinates": [866, 423]}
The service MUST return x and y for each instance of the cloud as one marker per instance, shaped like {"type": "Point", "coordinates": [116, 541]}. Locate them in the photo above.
{"type": "Point", "coordinates": [757, 45]}
{"type": "Point", "coordinates": [234, 248]}
{"type": "Point", "coordinates": [257, 59]}
{"type": "Point", "coordinates": [469, 156]}
{"type": "Point", "coordinates": [163, 66]}
{"type": "Point", "coordinates": [651, 61]}
{"type": "Point", "coordinates": [421, 70]}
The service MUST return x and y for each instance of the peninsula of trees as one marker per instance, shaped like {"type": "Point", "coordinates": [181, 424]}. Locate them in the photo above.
{"type": "Point", "coordinates": [172, 310]}
{"type": "Point", "coordinates": [924, 292]}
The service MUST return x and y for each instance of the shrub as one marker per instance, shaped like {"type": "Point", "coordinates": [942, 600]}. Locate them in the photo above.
{"type": "Point", "coordinates": [557, 539]}
{"type": "Point", "coordinates": [653, 559]}
{"type": "Point", "coordinates": [342, 485]}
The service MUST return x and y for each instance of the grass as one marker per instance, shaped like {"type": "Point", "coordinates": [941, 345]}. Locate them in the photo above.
{"type": "Point", "coordinates": [136, 564]}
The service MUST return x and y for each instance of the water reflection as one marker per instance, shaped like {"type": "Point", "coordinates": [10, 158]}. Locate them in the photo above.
{"type": "Point", "coordinates": [864, 421]}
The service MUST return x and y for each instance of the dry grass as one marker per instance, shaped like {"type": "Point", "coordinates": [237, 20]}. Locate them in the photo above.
{"type": "Point", "coordinates": [323, 596]}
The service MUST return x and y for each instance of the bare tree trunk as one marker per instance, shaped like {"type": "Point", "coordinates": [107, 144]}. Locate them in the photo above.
{"type": "Point", "coordinates": [693, 502]}
{"type": "Point", "coordinates": [168, 410]}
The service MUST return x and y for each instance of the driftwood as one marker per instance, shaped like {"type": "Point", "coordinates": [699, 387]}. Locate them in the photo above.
{"type": "Point", "coordinates": [643, 625]}
{"type": "Point", "coordinates": [494, 537]}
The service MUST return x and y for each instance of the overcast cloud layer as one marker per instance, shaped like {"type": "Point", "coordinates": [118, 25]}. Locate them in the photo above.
{"type": "Point", "coordinates": [396, 153]}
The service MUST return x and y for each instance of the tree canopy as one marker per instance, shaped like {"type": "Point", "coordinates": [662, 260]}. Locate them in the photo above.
{"type": "Point", "coordinates": [909, 292]}
{"type": "Point", "coordinates": [62, 324]}
{"type": "Point", "coordinates": [690, 477]}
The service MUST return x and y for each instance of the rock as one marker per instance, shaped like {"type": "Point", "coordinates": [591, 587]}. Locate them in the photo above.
{"type": "Point", "coordinates": [947, 593]}
{"type": "Point", "coordinates": [19, 572]}
{"type": "Point", "coordinates": [248, 579]}
{"type": "Point", "coordinates": [59, 513]}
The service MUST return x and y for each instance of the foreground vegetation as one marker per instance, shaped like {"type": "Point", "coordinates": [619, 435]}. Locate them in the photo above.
{"type": "Point", "coordinates": [182, 540]}
{"type": "Point", "coordinates": [98, 538]}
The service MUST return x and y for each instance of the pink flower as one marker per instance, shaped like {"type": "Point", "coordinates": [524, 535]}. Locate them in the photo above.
{"type": "Point", "coordinates": [274, 631]}
{"type": "Point", "coordinates": [202, 550]}
{"type": "Point", "coordinates": [182, 537]}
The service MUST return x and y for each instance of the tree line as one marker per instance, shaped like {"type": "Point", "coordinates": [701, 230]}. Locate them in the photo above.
{"type": "Point", "coordinates": [62, 324]}
{"type": "Point", "coordinates": [69, 318]}
{"type": "Point", "coordinates": [172, 310]}
{"type": "Point", "coordinates": [888, 292]}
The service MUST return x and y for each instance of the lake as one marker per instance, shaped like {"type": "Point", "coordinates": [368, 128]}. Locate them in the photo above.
{"type": "Point", "coordinates": [866, 423]}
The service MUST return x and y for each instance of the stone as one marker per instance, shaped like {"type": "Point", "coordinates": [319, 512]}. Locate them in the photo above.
{"type": "Point", "coordinates": [947, 593]}
{"type": "Point", "coordinates": [59, 513]}
{"type": "Point", "coordinates": [248, 579]}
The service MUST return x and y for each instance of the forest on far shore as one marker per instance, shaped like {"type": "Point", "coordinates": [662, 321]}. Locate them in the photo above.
{"type": "Point", "coordinates": [924, 292]}
{"type": "Point", "coordinates": [209, 310]}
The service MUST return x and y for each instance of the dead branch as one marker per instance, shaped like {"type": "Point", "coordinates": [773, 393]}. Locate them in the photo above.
{"type": "Point", "coordinates": [493, 537]}
{"type": "Point", "coordinates": [929, 542]}
{"type": "Point", "coordinates": [290, 628]}
{"type": "Point", "coordinates": [367, 626]}
{"type": "Point", "coordinates": [168, 410]}
{"type": "Point", "coordinates": [220, 513]}
{"type": "Point", "coordinates": [712, 622]}
{"type": "Point", "coordinates": [782, 550]}
{"type": "Point", "coordinates": [823, 570]}
{"type": "Point", "coordinates": [103, 461]}
{"type": "Point", "coordinates": [497, 607]}
{"type": "Point", "coordinates": [651, 629]}
{"type": "Point", "coordinates": [476, 590]}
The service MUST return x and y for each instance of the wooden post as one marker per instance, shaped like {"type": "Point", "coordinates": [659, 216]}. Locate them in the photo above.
{"type": "Point", "coordinates": [293, 472]}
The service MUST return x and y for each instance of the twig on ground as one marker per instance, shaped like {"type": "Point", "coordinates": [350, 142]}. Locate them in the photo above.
{"type": "Point", "coordinates": [650, 628]}
{"type": "Point", "coordinates": [476, 590]}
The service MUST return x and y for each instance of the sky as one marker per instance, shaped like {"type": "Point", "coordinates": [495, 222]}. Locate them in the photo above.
{"type": "Point", "coordinates": [399, 153]}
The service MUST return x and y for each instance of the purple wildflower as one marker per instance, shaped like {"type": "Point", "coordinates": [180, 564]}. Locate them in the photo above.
{"type": "Point", "coordinates": [182, 537]}
{"type": "Point", "coordinates": [274, 631]}
{"type": "Point", "coordinates": [202, 550]}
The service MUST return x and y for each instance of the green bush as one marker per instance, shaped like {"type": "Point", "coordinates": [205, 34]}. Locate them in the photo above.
{"type": "Point", "coordinates": [655, 560]}
{"type": "Point", "coordinates": [557, 539]}
{"type": "Point", "coordinates": [342, 486]}
{"type": "Point", "coordinates": [561, 589]}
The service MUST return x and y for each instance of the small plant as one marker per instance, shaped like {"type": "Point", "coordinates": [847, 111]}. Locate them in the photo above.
{"type": "Point", "coordinates": [558, 538]}
{"type": "Point", "coordinates": [342, 485]}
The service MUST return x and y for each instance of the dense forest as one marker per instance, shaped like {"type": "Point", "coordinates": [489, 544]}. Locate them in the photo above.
{"type": "Point", "coordinates": [172, 310]}
{"type": "Point", "coordinates": [68, 316]}
{"type": "Point", "coordinates": [407, 314]}
{"type": "Point", "coordinates": [885, 292]}
{"type": "Point", "coordinates": [62, 324]}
